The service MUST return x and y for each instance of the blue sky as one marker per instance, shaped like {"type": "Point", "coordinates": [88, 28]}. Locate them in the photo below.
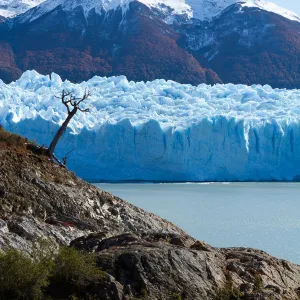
{"type": "Point", "coordinates": [293, 5]}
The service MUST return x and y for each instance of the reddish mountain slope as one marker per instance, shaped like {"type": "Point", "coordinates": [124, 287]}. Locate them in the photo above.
{"type": "Point", "coordinates": [242, 45]}
{"type": "Point", "coordinates": [146, 49]}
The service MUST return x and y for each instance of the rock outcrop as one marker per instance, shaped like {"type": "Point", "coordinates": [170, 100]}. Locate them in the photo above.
{"type": "Point", "coordinates": [165, 266]}
{"type": "Point", "coordinates": [144, 256]}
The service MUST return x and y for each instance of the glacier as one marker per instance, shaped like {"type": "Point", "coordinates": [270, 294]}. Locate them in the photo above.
{"type": "Point", "coordinates": [162, 130]}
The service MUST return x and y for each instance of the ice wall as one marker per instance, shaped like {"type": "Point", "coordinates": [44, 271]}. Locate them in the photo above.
{"type": "Point", "coordinates": [162, 130]}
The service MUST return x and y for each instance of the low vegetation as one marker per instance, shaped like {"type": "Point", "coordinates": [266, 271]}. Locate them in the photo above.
{"type": "Point", "coordinates": [27, 175]}
{"type": "Point", "coordinates": [8, 139]}
{"type": "Point", "coordinates": [15, 142]}
{"type": "Point", "coordinates": [22, 277]}
{"type": "Point", "coordinates": [231, 292]}
{"type": "Point", "coordinates": [75, 273]}
{"type": "Point", "coordinates": [68, 274]}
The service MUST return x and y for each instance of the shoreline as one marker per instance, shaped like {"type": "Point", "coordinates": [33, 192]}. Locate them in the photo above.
{"type": "Point", "coordinates": [179, 182]}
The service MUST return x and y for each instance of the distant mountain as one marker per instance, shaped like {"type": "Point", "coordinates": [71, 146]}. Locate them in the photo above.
{"type": "Point", "coordinates": [204, 41]}
{"type": "Point", "coordinates": [249, 46]}
{"type": "Point", "coordinates": [199, 9]}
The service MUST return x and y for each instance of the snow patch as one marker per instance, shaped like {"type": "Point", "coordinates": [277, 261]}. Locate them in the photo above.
{"type": "Point", "coordinates": [204, 10]}
{"type": "Point", "coordinates": [209, 9]}
{"type": "Point", "coordinates": [272, 7]}
{"type": "Point", "coordinates": [11, 8]}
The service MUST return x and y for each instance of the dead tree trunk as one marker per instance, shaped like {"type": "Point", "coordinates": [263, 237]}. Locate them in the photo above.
{"type": "Point", "coordinates": [60, 132]}
{"type": "Point", "coordinates": [73, 106]}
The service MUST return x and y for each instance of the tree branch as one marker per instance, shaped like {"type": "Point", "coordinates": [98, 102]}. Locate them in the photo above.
{"type": "Point", "coordinates": [65, 158]}
{"type": "Point", "coordinates": [63, 97]}
{"type": "Point", "coordinates": [84, 110]}
{"type": "Point", "coordinates": [86, 95]}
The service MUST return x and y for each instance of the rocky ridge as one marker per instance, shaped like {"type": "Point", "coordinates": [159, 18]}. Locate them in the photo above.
{"type": "Point", "coordinates": [144, 256]}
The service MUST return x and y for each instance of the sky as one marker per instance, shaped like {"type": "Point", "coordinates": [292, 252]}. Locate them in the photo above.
{"type": "Point", "coordinates": [293, 5]}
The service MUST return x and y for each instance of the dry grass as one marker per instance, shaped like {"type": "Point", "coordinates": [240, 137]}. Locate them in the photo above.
{"type": "Point", "coordinates": [12, 141]}
{"type": "Point", "coordinates": [27, 175]}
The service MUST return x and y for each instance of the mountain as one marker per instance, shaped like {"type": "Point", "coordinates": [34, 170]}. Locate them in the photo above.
{"type": "Point", "coordinates": [201, 9]}
{"type": "Point", "coordinates": [207, 41]}
{"type": "Point", "coordinates": [251, 46]}
{"type": "Point", "coordinates": [78, 47]}
{"type": "Point", "coordinates": [141, 255]}
{"type": "Point", "coordinates": [162, 130]}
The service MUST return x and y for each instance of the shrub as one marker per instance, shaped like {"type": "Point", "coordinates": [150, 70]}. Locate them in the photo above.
{"type": "Point", "coordinates": [229, 291]}
{"type": "Point", "coordinates": [76, 273]}
{"type": "Point", "coordinates": [175, 296]}
{"type": "Point", "coordinates": [68, 274]}
{"type": "Point", "coordinates": [258, 283]}
{"type": "Point", "coordinates": [21, 277]}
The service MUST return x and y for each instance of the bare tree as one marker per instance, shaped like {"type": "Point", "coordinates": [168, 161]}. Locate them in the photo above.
{"type": "Point", "coordinates": [72, 104]}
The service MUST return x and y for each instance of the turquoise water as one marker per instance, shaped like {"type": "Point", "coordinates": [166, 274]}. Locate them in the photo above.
{"type": "Point", "coordinates": [259, 215]}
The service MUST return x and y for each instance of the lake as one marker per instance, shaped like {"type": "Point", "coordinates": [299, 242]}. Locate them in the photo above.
{"type": "Point", "coordinates": [258, 215]}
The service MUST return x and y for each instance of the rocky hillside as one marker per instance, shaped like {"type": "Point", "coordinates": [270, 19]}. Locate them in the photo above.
{"type": "Point", "coordinates": [144, 256]}
{"type": "Point", "coordinates": [38, 199]}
